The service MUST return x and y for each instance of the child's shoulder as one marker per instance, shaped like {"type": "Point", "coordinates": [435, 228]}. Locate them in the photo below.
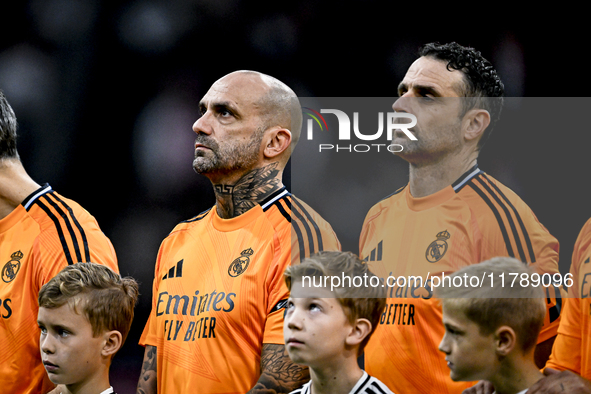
{"type": "Point", "coordinates": [305, 389]}
{"type": "Point", "coordinates": [368, 385]}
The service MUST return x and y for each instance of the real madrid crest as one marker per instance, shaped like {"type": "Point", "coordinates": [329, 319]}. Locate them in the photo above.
{"type": "Point", "coordinates": [11, 268]}
{"type": "Point", "coordinates": [437, 248]}
{"type": "Point", "coordinates": [240, 265]}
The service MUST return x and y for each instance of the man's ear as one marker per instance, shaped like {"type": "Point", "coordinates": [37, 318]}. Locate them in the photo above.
{"type": "Point", "coordinates": [277, 140]}
{"type": "Point", "coordinates": [505, 340]}
{"type": "Point", "coordinates": [113, 342]}
{"type": "Point", "coordinates": [475, 122]}
{"type": "Point", "coordinates": [360, 329]}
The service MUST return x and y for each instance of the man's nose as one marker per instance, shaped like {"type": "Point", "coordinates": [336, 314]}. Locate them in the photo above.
{"type": "Point", "coordinates": [402, 104]}
{"type": "Point", "coordinates": [203, 124]}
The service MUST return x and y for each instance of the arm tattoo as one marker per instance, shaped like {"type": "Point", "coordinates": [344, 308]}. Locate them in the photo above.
{"type": "Point", "coordinates": [251, 189]}
{"type": "Point", "coordinates": [147, 381]}
{"type": "Point", "coordinates": [278, 373]}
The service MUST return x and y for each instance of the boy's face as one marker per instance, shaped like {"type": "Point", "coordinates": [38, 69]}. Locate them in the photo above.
{"type": "Point", "coordinates": [469, 354]}
{"type": "Point", "coordinates": [69, 351]}
{"type": "Point", "coordinates": [315, 326]}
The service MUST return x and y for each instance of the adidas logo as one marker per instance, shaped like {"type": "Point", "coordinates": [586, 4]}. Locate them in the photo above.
{"type": "Point", "coordinates": [175, 271]}
{"type": "Point", "coordinates": [375, 254]}
{"type": "Point", "coordinates": [280, 305]}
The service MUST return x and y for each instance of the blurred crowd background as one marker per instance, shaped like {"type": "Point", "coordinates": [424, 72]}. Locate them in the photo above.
{"type": "Point", "coordinates": [106, 93]}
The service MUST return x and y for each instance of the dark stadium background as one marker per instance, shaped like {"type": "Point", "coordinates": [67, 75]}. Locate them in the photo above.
{"type": "Point", "coordinates": [105, 93]}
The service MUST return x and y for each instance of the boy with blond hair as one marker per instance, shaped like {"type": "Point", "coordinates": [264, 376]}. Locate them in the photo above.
{"type": "Point", "coordinates": [491, 327]}
{"type": "Point", "coordinates": [330, 319]}
{"type": "Point", "coordinates": [85, 313]}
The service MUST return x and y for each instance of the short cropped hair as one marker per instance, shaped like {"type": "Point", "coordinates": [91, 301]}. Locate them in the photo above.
{"type": "Point", "coordinates": [480, 79]}
{"type": "Point", "coordinates": [106, 299]}
{"type": "Point", "coordinates": [282, 107]}
{"type": "Point", "coordinates": [357, 301]}
{"type": "Point", "coordinates": [520, 306]}
{"type": "Point", "coordinates": [8, 128]}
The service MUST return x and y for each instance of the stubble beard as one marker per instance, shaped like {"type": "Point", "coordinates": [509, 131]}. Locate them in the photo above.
{"type": "Point", "coordinates": [409, 147]}
{"type": "Point", "coordinates": [229, 157]}
{"type": "Point", "coordinates": [423, 150]}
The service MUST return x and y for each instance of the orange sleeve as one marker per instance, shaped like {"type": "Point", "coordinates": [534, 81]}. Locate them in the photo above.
{"type": "Point", "coordinates": [73, 235]}
{"type": "Point", "coordinates": [567, 349]}
{"type": "Point", "coordinates": [277, 290]}
{"type": "Point", "coordinates": [307, 234]}
{"type": "Point", "coordinates": [310, 233]}
{"type": "Point", "coordinates": [566, 352]}
{"type": "Point", "coordinates": [525, 238]}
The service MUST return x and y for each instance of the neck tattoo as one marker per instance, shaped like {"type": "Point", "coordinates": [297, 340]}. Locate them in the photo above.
{"type": "Point", "coordinates": [250, 190]}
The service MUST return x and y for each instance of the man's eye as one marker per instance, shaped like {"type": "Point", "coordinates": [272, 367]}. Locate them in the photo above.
{"type": "Point", "coordinates": [63, 333]}
{"type": "Point", "coordinates": [314, 307]}
{"type": "Point", "coordinates": [43, 330]}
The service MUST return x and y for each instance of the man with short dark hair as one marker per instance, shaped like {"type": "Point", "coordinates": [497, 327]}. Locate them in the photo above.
{"type": "Point", "coordinates": [451, 214]}
{"type": "Point", "coordinates": [218, 297]}
{"type": "Point", "coordinates": [41, 232]}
